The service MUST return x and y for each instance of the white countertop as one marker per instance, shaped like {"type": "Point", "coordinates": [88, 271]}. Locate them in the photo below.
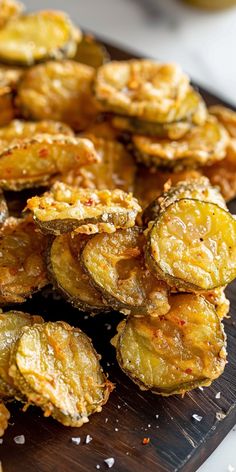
{"type": "Point", "coordinates": [203, 43]}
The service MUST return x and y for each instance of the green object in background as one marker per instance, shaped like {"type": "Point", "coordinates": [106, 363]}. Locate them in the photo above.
{"type": "Point", "coordinates": [212, 4]}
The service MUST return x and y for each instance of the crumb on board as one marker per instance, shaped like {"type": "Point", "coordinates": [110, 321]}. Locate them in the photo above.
{"type": "Point", "coordinates": [110, 461]}
{"type": "Point", "coordinates": [145, 441]}
{"type": "Point", "coordinates": [197, 417]}
{"type": "Point", "coordinates": [88, 439]}
{"type": "Point", "coordinates": [76, 440]}
{"type": "Point", "coordinates": [217, 395]}
{"type": "Point", "coordinates": [220, 415]}
{"type": "Point", "coordinates": [19, 439]}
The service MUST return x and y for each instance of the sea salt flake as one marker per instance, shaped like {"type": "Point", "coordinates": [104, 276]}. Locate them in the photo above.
{"type": "Point", "coordinates": [116, 429]}
{"type": "Point", "coordinates": [231, 468]}
{"type": "Point", "coordinates": [76, 440]}
{"type": "Point", "coordinates": [197, 417]}
{"type": "Point", "coordinates": [98, 466]}
{"type": "Point", "coordinates": [19, 439]}
{"type": "Point", "coordinates": [220, 415]}
{"type": "Point", "coordinates": [218, 395]}
{"type": "Point", "coordinates": [119, 407]}
{"type": "Point", "coordinates": [157, 416]}
{"type": "Point", "coordinates": [88, 439]}
{"type": "Point", "coordinates": [149, 426]}
{"type": "Point", "coordinates": [110, 461]}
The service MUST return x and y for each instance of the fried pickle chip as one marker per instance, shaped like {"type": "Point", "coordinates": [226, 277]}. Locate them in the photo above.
{"type": "Point", "coordinates": [146, 89]}
{"type": "Point", "coordinates": [10, 76]}
{"type": "Point", "coordinates": [38, 37]}
{"type": "Point", "coordinates": [8, 10]}
{"type": "Point", "coordinates": [69, 277]}
{"type": "Point", "coordinates": [35, 161]}
{"type": "Point", "coordinates": [4, 417]}
{"type": "Point", "coordinates": [223, 173]}
{"type": "Point", "coordinates": [150, 181]}
{"type": "Point", "coordinates": [22, 266]}
{"type": "Point", "coordinates": [20, 129]}
{"type": "Point", "coordinates": [116, 265]}
{"type": "Point", "coordinates": [87, 211]}
{"type": "Point", "coordinates": [196, 188]}
{"type": "Point", "coordinates": [116, 169]}
{"type": "Point", "coordinates": [56, 367]}
{"type": "Point", "coordinates": [226, 116]}
{"type": "Point", "coordinates": [91, 52]}
{"type": "Point", "coordinates": [202, 145]}
{"type": "Point", "coordinates": [58, 90]}
{"type": "Point", "coordinates": [11, 325]}
{"type": "Point", "coordinates": [192, 245]}
{"type": "Point", "coordinates": [176, 353]}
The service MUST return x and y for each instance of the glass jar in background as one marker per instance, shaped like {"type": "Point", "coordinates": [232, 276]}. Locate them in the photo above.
{"type": "Point", "coordinates": [212, 4]}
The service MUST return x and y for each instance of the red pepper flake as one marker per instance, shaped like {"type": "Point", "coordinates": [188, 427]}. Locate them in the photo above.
{"type": "Point", "coordinates": [43, 152]}
{"type": "Point", "coordinates": [188, 371]}
{"type": "Point", "coordinates": [89, 202]}
{"type": "Point", "coordinates": [145, 441]}
{"type": "Point", "coordinates": [182, 322]}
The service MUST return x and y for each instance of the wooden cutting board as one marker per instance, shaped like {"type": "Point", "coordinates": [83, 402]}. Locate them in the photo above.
{"type": "Point", "coordinates": [177, 441]}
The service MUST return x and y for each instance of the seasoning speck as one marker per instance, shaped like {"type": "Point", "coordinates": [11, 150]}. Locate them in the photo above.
{"type": "Point", "coordinates": [76, 440]}
{"type": "Point", "coordinates": [110, 461]}
{"type": "Point", "coordinates": [19, 439]}
{"type": "Point", "coordinates": [220, 415]}
{"type": "Point", "coordinates": [197, 417]}
{"type": "Point", "coordinates": [218, 395]}
{"type": "Point", "coordinates": [145, 441]}
{"type": "Point", "coordinates": [88, 439]}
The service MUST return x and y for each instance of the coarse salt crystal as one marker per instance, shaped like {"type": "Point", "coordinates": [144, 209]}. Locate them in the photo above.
{"type": "Point", "coordinates": [88, 439]}
{"type": "Point", "coordinates": [116, 429]}
{"type": "Point", "coordinates": [19, 439]}
{"type": "Point", "coordinates": [110, 461]}
{"type": "Point", "coordinates": [217, 395]}
{"type": "Point", "coordinates": [119, 407]}
{"type": "Point", "coordinates": [231, 468]}
{"type": "Point", "coordinates": [157, 416]}
{"type": "Point", "coordinates": [197, 417]}
{"type": "Point", "coordinates": [76, 440]}
{"type": "Point", "coordinates": [149, 426]}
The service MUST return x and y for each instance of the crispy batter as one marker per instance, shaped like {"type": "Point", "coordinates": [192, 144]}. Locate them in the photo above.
{"type": "Point", "coordinates": [183, 350]}
{"type": "Point", "coordinates": [69, 277]}
{"type": "Point", "coordinates": [116, 265]}
{"type": "Point", "coordinates": [22, 266]}
{"type": "Point", "coordinates": [8, 10]}
{"type": "Point", "coordinates": [11, 325]}
{"type": "Point", "coordinates": [146, 89]}
{"type": "Point", "coordinates": [219, 300]}
{"type": "Point", "coordinates": [20, 129]}
{"type": "Point", "coordinates": [102, 128]}
{"type": "Point", "coordinates": [58, 90]}
{"type": "Point", "coordinates": [7, 109]}
{"type": "Point", "coordinates": [116, 169]}
{"type": "Point", "coordinates": [4, 417]}
{"type": "Point", "coordinates": [202, 145]}
{"type": "Point", "coordinates": [38, 37]}
{"type": "Point", "coordinates": [226, 116]}
{"type": "Point", "coordinates": [66, 208]}
{"type": "Point", "coordinates": [192, 245]}
{"type": "Point", "coordinates": [223, 173]}
{"type": "Point", "coordinates": [91, 52]}
{"type": "Point", "coordinates": [199, 189]}
{"type": "Point", "coordinates": [10, 76]}
{"type": "Point", "coordinates": [31, 162]}
{"type": "Point", "coordinates": [56, 367]}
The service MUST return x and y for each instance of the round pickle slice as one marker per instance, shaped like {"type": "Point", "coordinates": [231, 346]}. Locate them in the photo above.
{"type": "Point", "coordinates": [196, 188]}
{"type": "Point", "coordinates": [11, 325]}
{"type": "Point", "coordinates": [66, 208]}
{"type": "Point", "coordinates": [226, 116]}
{"type": "Point", "coordinates": [69, 277]}
{"type": "Point", "coordinates": [176, 353]}
{"type": "Point", "coordinates": [32, 162]}
{"type": "Point", "coordinates": [91, 52]}
{"type": "Point", "coordinates": [116, 265]}
{"type": "Point", "coordinates": [22, 266]}
{"type": "Point", "coordinates": [116, 169]}
{"type": "Point", "coordinates": [192, 246]}
{"type": "Point", "coordinates": [201, 145]}
{"type": "Point", "coordinates": [56, 367]}
{"type": "Point", "coordinates": [9, 9]}
{"type": "Point", "coordinates": [58, 90]}
{"type": "Point", "coordinates": [149, 90]}
{"type": "Point", "coordinates": [38, 37]}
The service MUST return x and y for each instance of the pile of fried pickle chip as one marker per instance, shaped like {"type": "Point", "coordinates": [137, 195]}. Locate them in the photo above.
{"type": "Point", "coordinates": [114, 178]}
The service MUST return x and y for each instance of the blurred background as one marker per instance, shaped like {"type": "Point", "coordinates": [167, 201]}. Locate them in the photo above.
{"type": "Point", "coordinates": [202, 41]}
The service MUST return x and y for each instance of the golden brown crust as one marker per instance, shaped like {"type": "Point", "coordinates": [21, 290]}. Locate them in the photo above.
{"type": "Point", "coordinates": [9, 9]}
{"type": "Point", "coordinates": [58, 90]}
{"type": "Point", "coordinates": [66, 208]}
{"type": "Point", "coordinates": [22, 266]}
{"type": "Point", "coordinates": [226, 116]}
{"type": "Point", "coordinates": [56, 367]}
{"type": "Point", "coordinates": [38, 37]}
{"type": "Point", "coordinates": [182, 350]}
{"type": "Point", "coordinates": [4, 417]}
{"type": "Point", "coordinates": [223, 173]}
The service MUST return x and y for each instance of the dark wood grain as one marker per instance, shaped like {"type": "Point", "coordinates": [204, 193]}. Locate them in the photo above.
{"type": "Point", "coordinates": [177, 441]}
